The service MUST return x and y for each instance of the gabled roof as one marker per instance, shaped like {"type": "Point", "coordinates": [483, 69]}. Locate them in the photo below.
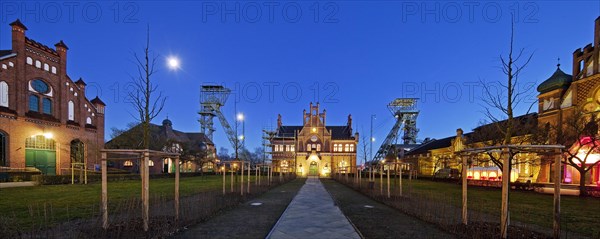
{"type": "Point", "coordinates": [159, 135]}
{"type": "Point", "coordinates": [80, 82]}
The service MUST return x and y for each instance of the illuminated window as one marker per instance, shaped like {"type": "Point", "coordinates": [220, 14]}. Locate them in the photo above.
{"type": "Point", "coordinates": [308, 147]}
{"type": "Point", "coordinates": [335, 148]}
{"type": "Point", "coordinates": [287, 148]}
{"type": "Point", "coordinates": [318, 147]}
{"type": "Point", "coordinates": [3, 94]}
{"type": "Point", "coordinates": [293, 148]}
{"type": "Point", "coordinates": [71, 107]}
{"type": "Point", "coordinates": [150, 163]}
{"type": "Point", "coordinates": [351, 147]}
{"type": "Point", "coordinates": [347, 148]}
{"type": "Point", "coordinates": [128, 163]}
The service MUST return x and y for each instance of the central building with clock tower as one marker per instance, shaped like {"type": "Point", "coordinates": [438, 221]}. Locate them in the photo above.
{"type": "Point", "coordinates": [314, 148]}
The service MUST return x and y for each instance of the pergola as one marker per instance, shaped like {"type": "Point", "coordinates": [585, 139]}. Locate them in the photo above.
{"type": "Point", "coordinates": [144, 155]}
{"type": "Point", "coordinates": [505, 152]}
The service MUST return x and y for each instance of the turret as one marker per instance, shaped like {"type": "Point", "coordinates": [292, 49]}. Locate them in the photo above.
{"type": "Point", "coordinates": [18, 36]}
{"type": "Point", "coordinates": [61, 49]}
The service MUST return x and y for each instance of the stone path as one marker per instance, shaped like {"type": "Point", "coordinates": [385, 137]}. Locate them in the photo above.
{"type": "Point", "coordinates": [312, 214]}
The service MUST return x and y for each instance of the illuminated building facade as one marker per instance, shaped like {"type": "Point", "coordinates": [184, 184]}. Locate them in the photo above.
{"type": "Point", "coordinates": [46, 121]}
{"type": "Point", "coordinates": [314, 148]}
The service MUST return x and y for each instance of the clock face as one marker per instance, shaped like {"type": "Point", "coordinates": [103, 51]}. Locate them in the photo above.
{"type": "Point", "coordinates": [313, 138]}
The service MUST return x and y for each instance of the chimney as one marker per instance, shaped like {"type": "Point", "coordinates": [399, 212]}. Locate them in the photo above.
{"type": "Point", "coordinates": [18, 36]}
{"type": "Point", "coordinates": [61, 49]}
{"type": "Point", "coordinates": [279, 124]}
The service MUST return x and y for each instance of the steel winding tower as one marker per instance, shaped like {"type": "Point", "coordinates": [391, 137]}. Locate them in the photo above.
{"type": "Point", "coordinates": [212, 98]}
{"type": "Point", "coordinates": [405, 111]}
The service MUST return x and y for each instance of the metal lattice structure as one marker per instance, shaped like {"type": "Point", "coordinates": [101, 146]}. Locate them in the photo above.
{"type": "Point", "coordinates": [405, 111]}
{"type": "Point", "coordinates": [212, 98]}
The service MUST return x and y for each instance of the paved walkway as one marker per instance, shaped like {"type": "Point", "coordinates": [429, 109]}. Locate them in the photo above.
{"type": "Point", "coordinates": [312, 214]}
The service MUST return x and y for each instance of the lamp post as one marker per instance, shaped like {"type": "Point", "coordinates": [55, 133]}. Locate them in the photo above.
{"type": "Point", "coordinates": [371, 139]}
{"type": "Point", "coordinates": [240, 117]}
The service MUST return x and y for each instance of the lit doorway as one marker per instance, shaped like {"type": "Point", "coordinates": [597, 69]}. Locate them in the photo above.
{"type": "Point", "coordinates": [40, 152]}
{"type": "Point", "coordinates": [313, 169]}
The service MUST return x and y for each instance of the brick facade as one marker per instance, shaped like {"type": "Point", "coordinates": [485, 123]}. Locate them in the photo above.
{"type": "Point", "coordinates": [43, 112]}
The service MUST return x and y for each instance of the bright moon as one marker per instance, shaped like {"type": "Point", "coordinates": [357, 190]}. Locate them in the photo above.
{"type": "Point", "coordinates": [173, 63]}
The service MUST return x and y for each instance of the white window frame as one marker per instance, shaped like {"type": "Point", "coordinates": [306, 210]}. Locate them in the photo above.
{"type": "Point", "coordinates": [71, 110]}
{"type": "Point", "coordinates": [3, 94]}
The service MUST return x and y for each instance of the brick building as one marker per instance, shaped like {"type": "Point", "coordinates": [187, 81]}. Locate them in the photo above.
{"type": "Point", "coordinates": [198, 152]}
{"type": "Point", "coordinates": [314, 148]}
{"type": "Point", "coordinates": [46, 121]}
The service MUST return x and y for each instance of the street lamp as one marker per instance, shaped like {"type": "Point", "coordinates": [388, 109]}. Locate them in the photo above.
{"type": "Point", "coordinates": [240, 117]}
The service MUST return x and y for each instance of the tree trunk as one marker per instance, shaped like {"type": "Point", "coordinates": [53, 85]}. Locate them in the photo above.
{"type": "Point", "coordinates": [582, 188]}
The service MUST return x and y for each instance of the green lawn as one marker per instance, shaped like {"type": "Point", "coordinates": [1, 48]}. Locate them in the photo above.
{"type": "Point", "coordinates": [67, 202]}
{"type": "Point", "coordinates": [580, 215]}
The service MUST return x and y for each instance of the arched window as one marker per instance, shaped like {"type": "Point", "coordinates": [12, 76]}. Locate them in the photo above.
{"type": "Point", "coordinates": [88, 120]}
{"type": "Point", "coordinates": [3, 94]}
{"type": "Point", "coordinates": [335, 147]}
{"type": "Point", "coordinates": [29, 61]}
{"type": "Point", "coordinates": [318, 147]}
{"type": "Point", "coordinates": [54, 70]}
{"type": "Point", "coordinates": [3, 149]}
{"type": "Point", "coordinates": [351, 147]}
{"type": "Point", "coordinates": [47, 106]}
{"type": "Point", "coordinates": [347, 148]}
{"type": "Point", "coordinates": [38, 64]}
{"type": "Point", "coordinates": [308, 147]}
{"type": "Point", "coordinates": [77, 151]}
{"type": "Point", "coordinates": [34, 103]}
{"type": "Point", "coordinates": [46, 67]}
{"type": "Point", "coordinates": [71, 111]}
{"type": "Point", "coordinates": [150, 163]}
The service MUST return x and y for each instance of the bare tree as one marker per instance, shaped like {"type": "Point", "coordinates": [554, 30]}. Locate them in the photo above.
{"type": "Point", "coordinates": [142, 96]}
{"type": "Point", "coordinates": [508, 95]}
{"type": "Point", "coordinates": [364, 147]}
{"type": "Point", "coordinates": [505, 101]}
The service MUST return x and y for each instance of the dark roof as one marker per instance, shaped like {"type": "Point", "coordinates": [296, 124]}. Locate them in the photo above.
{"type": "Point", "coordinates": [558, 80]}
{"type": "Point", "coordinates": [5, 52]}
{"type": "Point", "coordinates": [61, 44]}
{"type": "Point", "coordinates": [18, 23]}
{"type": "Point", "coordinates": [160, 135]}
{"type": "Point", "coordinates": [525, 125]}
{"type": "Point", "coordinates": [80, 82]}
{"type": "Point", "coordinates": [433, 144]}
{"type": "Point", "coordinates": [97, 101]}
{"type": "Point", "coordinates": [337, 132]}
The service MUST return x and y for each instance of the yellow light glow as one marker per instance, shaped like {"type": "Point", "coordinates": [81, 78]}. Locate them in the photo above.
{"type": "Point", "coordinates": [314, 129]}
{"type": "Point", "coordinates": [48, 135]}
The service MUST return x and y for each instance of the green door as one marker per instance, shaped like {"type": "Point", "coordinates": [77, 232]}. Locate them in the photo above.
{"type": "Point", "coordinates": [312, 170]}
{"type": "Point", "coordinates": [44, 160]}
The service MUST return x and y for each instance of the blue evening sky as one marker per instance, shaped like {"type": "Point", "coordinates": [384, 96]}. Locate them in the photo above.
{"type": "Point", "coordinates": [352, 56]}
